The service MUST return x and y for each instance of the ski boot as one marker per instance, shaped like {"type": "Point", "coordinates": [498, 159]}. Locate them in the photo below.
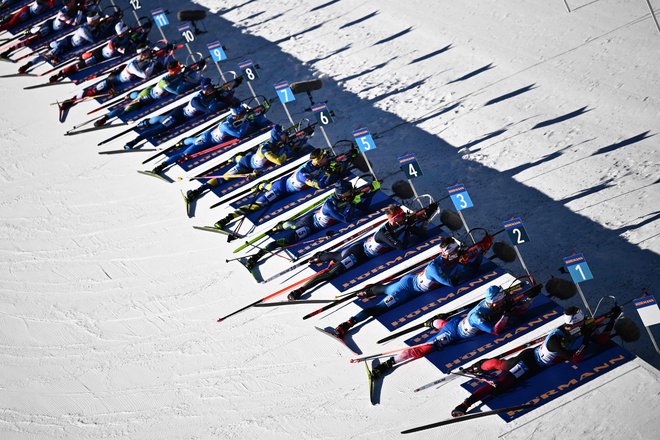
{"type": "Point", "coordinates": [379, 370]}
{"type": "Point", "coordinates": [101, 121]}
{"type": "Point", "coordinates": [343, 328]}
{"type": "Point", "coordinates": [55, 78]}
{"type": "Point", "coordinates": [193, 194]}
{"type": "Point", "coordinates": [159, 168]}
{"type": "Point", "coordinates": [24, 68]}
{"type": "Point", "coordinates": [131, 144]}
{"type": "Point", "coordinates": [460, 410]}
{"type": "Point", "coordinates": [295, 294]}
{"type": "Point", "coordinates": [254, 259]}
{"type": "Point", "coordinates": [223, 222]}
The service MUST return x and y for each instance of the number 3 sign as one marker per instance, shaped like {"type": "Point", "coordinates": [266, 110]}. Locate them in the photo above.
{"type": "Point", "coordinates": [460, 197]}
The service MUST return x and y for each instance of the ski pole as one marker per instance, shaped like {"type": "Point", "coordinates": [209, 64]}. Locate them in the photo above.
{"type": "Point", "coordinates": [231, 176]}
{"type": "Point", "coordinates": [357, 360]}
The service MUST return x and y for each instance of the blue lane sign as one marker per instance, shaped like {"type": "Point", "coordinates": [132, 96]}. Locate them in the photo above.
{"type": "Point", "coordinates": [578, 268]}
{"type": "Point", "coordinates": [217, 52]}
{"type": "Point", "coordinates": [322, 113]}
{"type": "Point", "coordinates": [284, 92]}
{"type": "Point", "coordinates": [516, 231]}
{"type": "Point", "coordinates": [364, 140]}
{"type": "Point", "coordinates": [248, 69]}
{"type": "Point", "coordinates": [159, 17]}
{"type": "Point", "coordinates": [460, 197]}
{"type": "Point", "coordinates": [409, 166]}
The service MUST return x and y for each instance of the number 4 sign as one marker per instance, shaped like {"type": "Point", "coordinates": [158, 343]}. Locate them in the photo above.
{"type": "Point", "coordinates": [578, 268]}
{"type": "Point", "coordinates": [460, 197]}
{"type": "Point", "coordinates": [410, 166]}
{"type": "Point", "coordinates": [516, 231]}
{"type": "Point", "coordinates": [284, 92]}
{"type": "Point", "coordinates": [364, 140]}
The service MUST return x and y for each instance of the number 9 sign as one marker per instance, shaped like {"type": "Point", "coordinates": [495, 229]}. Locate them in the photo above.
{"type": "Point", "coordinates": [460, 197]}
{"type": "Point", "coordinates": [216, 51]}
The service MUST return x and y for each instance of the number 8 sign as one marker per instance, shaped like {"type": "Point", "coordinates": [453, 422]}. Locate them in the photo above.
{"type": "Point", "coordinates": [460, 197]}
{"type": "Point", "coordinates": [578, 268]}
{"type": "Point", "coordinates": [516, 231]}
{"type": "Point", "coordinates": [248, 69]}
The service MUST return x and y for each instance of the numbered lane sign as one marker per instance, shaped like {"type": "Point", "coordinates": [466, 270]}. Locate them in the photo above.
{"type": "Point", "coordinates": [516, 231]}
{"type": "Point", "coordinates": [322, 113]}
{"type": "Point", "coordinates": [284, 92]}
{"type": "Point", "coordinates": [578, 268]}
{"type": "Point", "coordinates": [217, 52]}
{"type": "Point", "coordinates": [248, 69]}
{"type": "Point", "coordinates": [409, 166]}
{"type": "Point", "coordinates": [364, 140]}
{"type": "Point", "coordinates": [136, 4]}
{"type": "Point", "coordinates": [159, 17]}
{"type": "Point", "coordinates": [460, 197]}
{"type": "Point", "coordinates": [187, 33]}
{"type": "Point", "coordinates": [648, 310]}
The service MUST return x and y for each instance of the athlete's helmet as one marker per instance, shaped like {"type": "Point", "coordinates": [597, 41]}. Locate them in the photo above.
{"type": "Point", "coordinates": [573, 316]}
{"type": "Point", "coordinates": [449, 248]}
{"type": "Point", "coordinates": [206, 84]}
{"type": "Point", "coordinates": [395, 215]}
{"type": "Point", "coordinates": [93, 17]}
{"type": "Point", "coordinates": [173, 67]}
{"type": "Point", "coordinates": [121, 28]}
{"type": "Point", "coordinates": [276, 134]}
{"type": "Point", "coordinates": [343, 190]}
{"type": "Point", "coordinates": [494, 295]}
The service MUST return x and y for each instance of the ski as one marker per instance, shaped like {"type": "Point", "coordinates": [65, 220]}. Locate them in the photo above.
{"type": "Point", "coordinates": [91, 129]}
{"type": "Point", "coordinates": [230, 235]}
{"type": "Point", "coordinates": [64, 112]}
{"type": "Point", "coordinates": [442, 380]}
{"type": "Point", "coordinates": [293, 302]}
{"type": "Point", "coordinates": [17, 75]}
{"type": "Point", "coordinates": [156, 175]}
{"type": "Point", "coordinates": [372, 385]}
{"type": "Point", "coordinates": [39, 86]}
{"type": "Point", "coordinates": [115, 136]}
{"type": "Point", "coordinates": [259, 301]}
{"type": "Point", "coordinates": [134, 150]}
{"type": "Point", "coordinates": [335, 337]}
{"type": "Point", "coordinates": [467, 417]}
{"type": "Point", "coordinates": [190, 211]}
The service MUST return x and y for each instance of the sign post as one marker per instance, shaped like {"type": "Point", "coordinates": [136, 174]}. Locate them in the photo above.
{"type": "Point", "coordinates": [579, 271]}
{"type": "Point", "coordinates": [518, 235]}
{"type": "Point", "coordinates": [160, 18]}
{"type": "Point", "coordinates": [249, 71]}
{"type": "Point", "coordinates": [410, 167]}
{"type": "Point", "coordinates": [217, 54]}
{"type": "Point", "coordinates": [461, 199]}
{"type": "Point", "coordinates": [650, 314]}
{"type": "Point", "coordinates": [286, 95]}
{"type": "Point", "coordinates": [365, 143]}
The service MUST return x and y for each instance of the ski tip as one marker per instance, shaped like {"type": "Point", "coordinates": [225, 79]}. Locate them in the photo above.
{"type": "Point", "coordinates": [219, 320]}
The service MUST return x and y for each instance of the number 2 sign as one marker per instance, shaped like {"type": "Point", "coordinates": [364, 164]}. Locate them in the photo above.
{"type": "Point", "coordinates": [516, 231]}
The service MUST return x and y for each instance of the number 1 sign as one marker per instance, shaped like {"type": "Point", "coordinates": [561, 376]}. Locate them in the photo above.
{"type": "Point", "coordinates": [578, 268]}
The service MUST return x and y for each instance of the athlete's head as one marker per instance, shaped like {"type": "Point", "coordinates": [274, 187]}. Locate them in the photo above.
{"type": "Point", "coordinates": [121, 29]}
{"type": "Point", "coordinates": [395, 215]}
{"type": "Point", "coordinates": [277, 134]}
{"type": "Point", "coordinates": [143, 52]}
{"type": "Point", "coordinates": [93, 18]}
{"type": "Point", "coordinates": [573, 317]}
{"type": "Point", "coordinates": [449, 248]}
{"type": "Point", "coordinates": [343, 190]}
{"type": "Point", "coordinates": [206, 86]}
{"type": "Point", "coordinates": [173, 67]}
{"type": "Point", "coordinates": [319, 157]}
{"type": "Point", "coordinates": [495, 296]}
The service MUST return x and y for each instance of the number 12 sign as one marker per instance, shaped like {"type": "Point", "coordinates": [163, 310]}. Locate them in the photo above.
{"type": "Point", "coordinates": [578, 268]}
{"type": "Point", "coordinates": [460, 197]}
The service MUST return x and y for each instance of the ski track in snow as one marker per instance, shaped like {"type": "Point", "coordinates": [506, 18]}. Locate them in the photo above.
{"type": "Point", "coordinates": [108, 297]}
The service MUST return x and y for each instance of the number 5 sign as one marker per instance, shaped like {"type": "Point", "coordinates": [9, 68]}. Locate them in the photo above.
{"type": "Point", "coordinates": [409, 166]}
{"type": "Point", "coordinates": [364, 140]}
{"type": "Point", "coordinates": [578, 268]}
{"type": "Point", "coordinates": [460, 197]}
{"type": "Point", "coordinates": [516, 231]}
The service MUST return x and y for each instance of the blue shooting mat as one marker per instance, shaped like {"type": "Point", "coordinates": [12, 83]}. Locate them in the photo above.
{"type": "Point", "coordinates": [97, 69]}
{"type": "Point", "coordinates": [151, 107]}
{"type": "Point", "coordinates": [178, 130]}
{"type": "Point", "coordinates": [462, 352]}
{"type": "Point", "coordinates": [556, 380]}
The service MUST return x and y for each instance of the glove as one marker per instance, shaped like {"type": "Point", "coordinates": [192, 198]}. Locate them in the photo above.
{"type": "Point", "coordinates": [578, 356]}
{"type": "Point", "coordinates": [501, 324]}
{"type": "Point", "coordinates": [367, 293]}
{"type": "Point", "coordinates": [375, 185]}
{"type": "Point", "coordinates": [431, 209]}
{"type": "Point", "coordinates": [357, 199]}
{"type": "Point", "coordinates": [486, 242]}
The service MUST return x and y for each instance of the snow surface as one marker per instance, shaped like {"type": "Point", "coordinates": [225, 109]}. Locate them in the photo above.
{"type": "Point", "coordinates": [109, 297]}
